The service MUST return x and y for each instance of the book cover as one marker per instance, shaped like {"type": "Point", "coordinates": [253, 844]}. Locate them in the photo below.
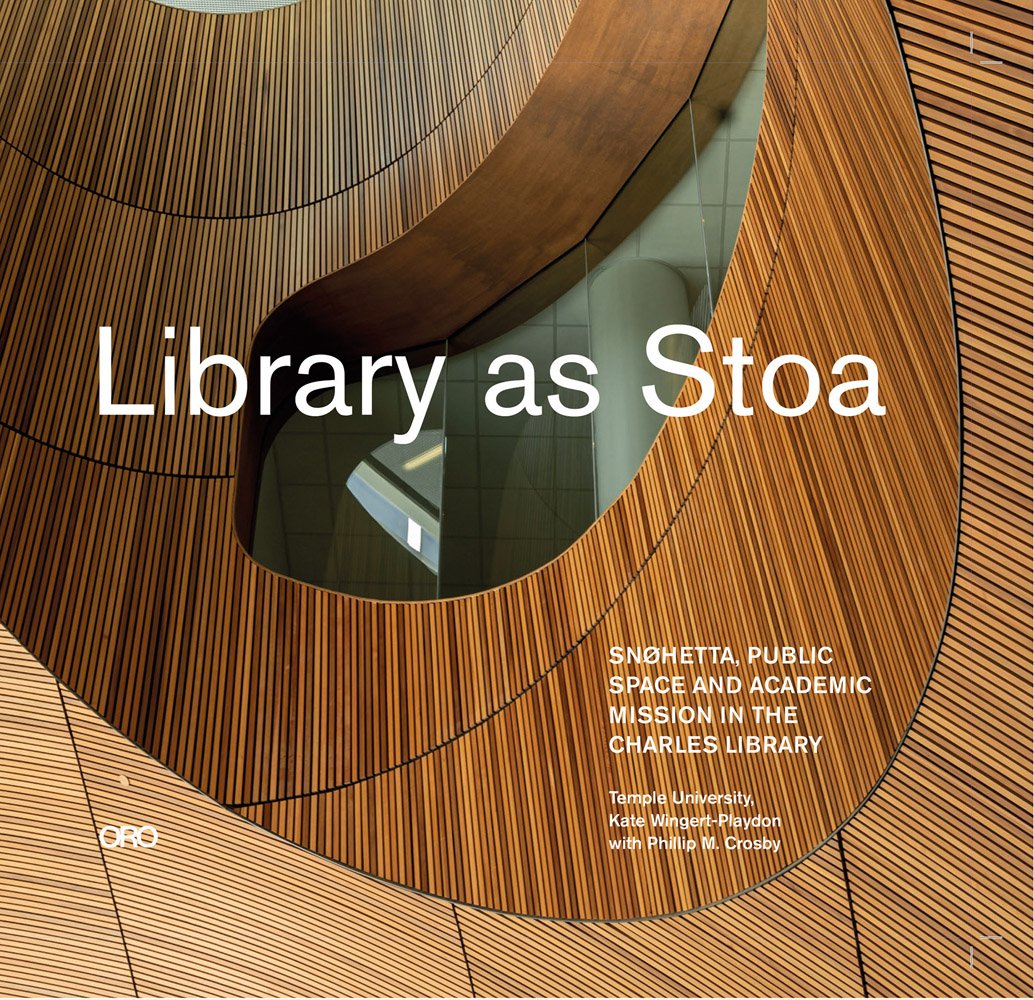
{"type": "Point", "coordinates": [515, 498]}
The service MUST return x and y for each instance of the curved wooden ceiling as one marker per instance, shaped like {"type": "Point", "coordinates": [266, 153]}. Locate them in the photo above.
{"type": "Point", "coordinates": [201, 502]}
{"type": "Point", "coordinates": [251, 116]}
{"type": "Point", "coordinates": [229, 273]}
{"type": "Point", "coordinates": [150, 611]}
{"type": "Point", "coordinates": [301, 707]}
{"type": "Point", "coordinates": [194, 920]}
{"type": "Point", "coordinates": [604, 100]}
{"type": "Point", "coordinates": [732, 528]}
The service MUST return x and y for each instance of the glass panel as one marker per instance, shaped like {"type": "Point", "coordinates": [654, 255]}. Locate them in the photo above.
{"type": "Point", "coordinates": [341, 505]}
{"type": "Point", "coordinates": [518, 489]}
{"type": "Point", "coordinates": [479, 499]}
{"type": "Point", "coordinates": [723, 167]}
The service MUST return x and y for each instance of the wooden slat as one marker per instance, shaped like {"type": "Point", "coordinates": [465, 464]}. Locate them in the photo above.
{"type": "Point", "coordinates": [133, 589]}
{"type": "Point", "coordinates": [957, 805]}
{"type": "Point", "coordinates": [222, 908]}
{"type": "Point", "coordinates": [261, 690]}
{"type": "Point", "coordinates": [218, 907]}
{"type": "Point", "coordinates": [59, 931]}
{"type": "Point", "coordinates": [233, 268]}
{"type": "Point", "coordinates": [773, 537]}
{"type": "Point", "coordinates": [265, 113]}
{"type": "Point", "coordinates": [792, 937]}
{"type": "Point", "coordinates": [205, 911]}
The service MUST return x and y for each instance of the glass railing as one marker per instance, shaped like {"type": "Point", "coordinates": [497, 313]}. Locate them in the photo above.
{"type": "Point", "coordinates": [477, 498]}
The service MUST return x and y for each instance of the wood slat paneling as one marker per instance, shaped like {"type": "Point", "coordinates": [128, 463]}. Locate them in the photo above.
{"type": "Point", "coordinates": [113, 586]}
{"type": "Point", "coordinates": [789, 510]}
{"type": "Point", "coordinates": [222, 908]}
{"type": "Point", "coordinates": [262, 114]}
{"type": "Point", "coordinates": [59, 930]}
{"type": "Point", "coordinates": [957, 804]}
{"type": "Point", "coordinates": [205, 912]}
{"type": "Point", "coordinates": [218, 907]}
{"type": "Point", "coordinates": [792, 937]}
{"type": "Point", "coordinates": [76, 260]}
{"type": "Point", "coordinates": [296, 704]}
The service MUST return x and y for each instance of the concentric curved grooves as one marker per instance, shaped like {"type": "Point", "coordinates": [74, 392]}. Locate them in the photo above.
{"type": "Point", "coordinates": [198, 566]}
{"type": "Point", "coordinates": [912, 913]}
{"type": "Point", "coordinates": [205, 910]}
{"type": "Point", "coordinates": [274, 714]}
{"type": "Point", "coordinates": [957, 805]}
{"type": "Point", "coordinates": [231, 274]}
{"type": "Point", "coordinates": [216, 147]}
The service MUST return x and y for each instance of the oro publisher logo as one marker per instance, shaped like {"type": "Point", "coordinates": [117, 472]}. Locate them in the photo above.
{"type": "Point", "coordinates": [144, 837]}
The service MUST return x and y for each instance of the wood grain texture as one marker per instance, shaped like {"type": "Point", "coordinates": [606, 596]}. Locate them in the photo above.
{"type": "Point", "coordinates": [213, 552]}
{"type": "Point", "coordinates": [228, 274]}
{"type": "Point", "coordinates": [59, 929]}
{"type": "Point", "coordinates": [974, 121]}
{"type": "Point", "coordinates": [217, 908]}
{"type": "Point", "coordinates": [259, 115]}
{"type": "Point", "coordinates": [610, 89]}
{"type": "Point", "coordinates": [221, 907]}
{"type": "Point", "coordinates": [792, 937]}
{"type": "Point", "coordinates": [957, 804]}
{"type": "Point", "coordinates": [468, 722]}
{"type": "Point", "coordinates": [782, 533]}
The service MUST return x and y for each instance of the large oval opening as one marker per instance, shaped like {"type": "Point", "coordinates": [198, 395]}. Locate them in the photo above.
{"type": "Point", "coordinates": [481, 489]}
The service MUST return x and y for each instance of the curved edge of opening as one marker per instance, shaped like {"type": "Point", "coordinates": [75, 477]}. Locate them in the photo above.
{"type": "Point", "coordinates": [740, 34]}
